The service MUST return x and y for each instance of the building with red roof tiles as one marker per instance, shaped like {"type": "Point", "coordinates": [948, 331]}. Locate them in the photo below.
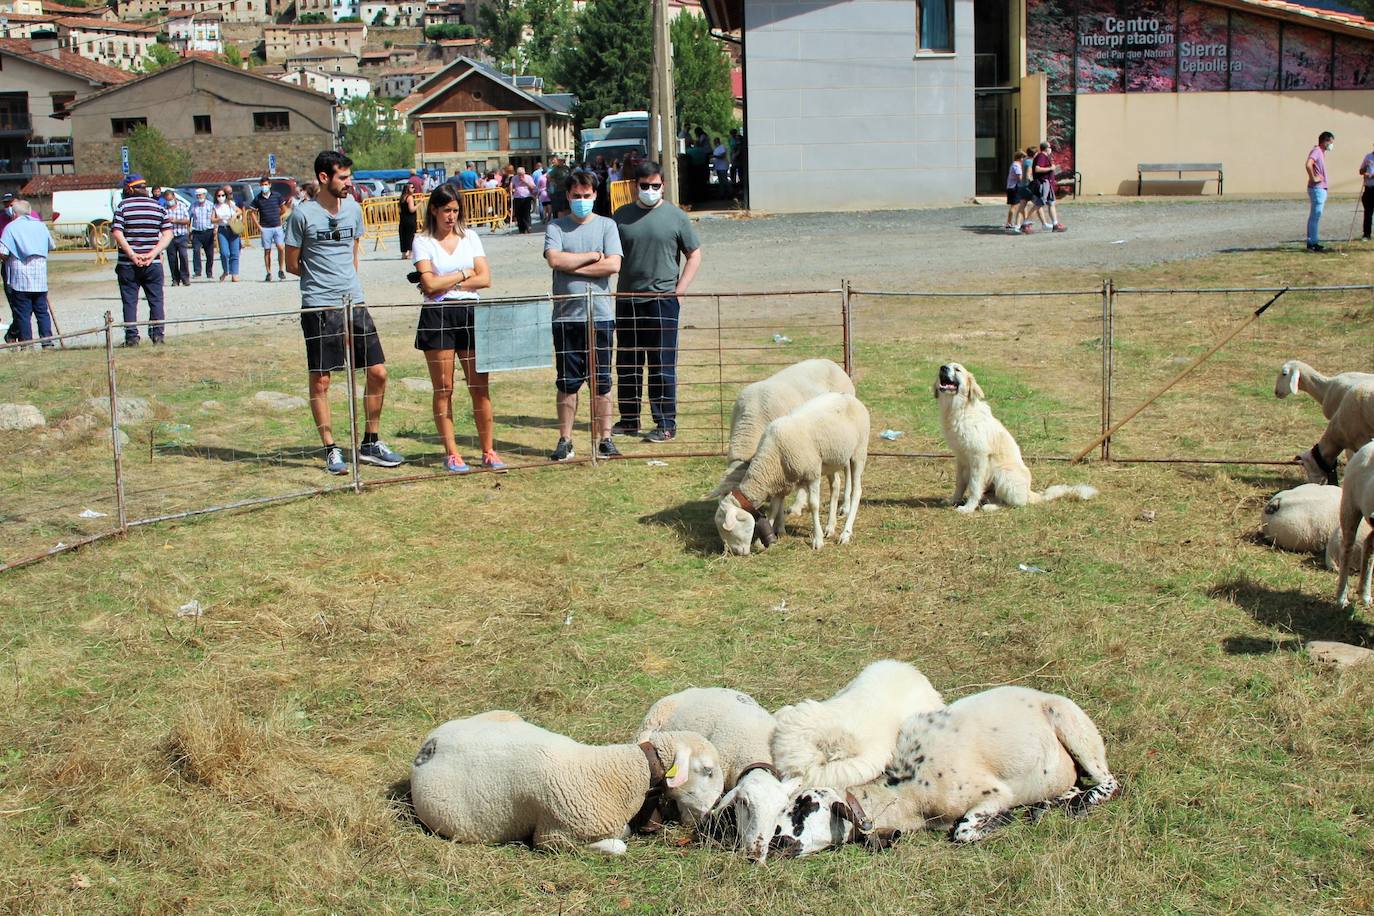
{"type": "Point", "coordinates": [937, 94]}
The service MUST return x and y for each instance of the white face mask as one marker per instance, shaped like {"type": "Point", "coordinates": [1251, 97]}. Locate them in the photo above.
{"type": "Point", "coordinates": [650, 196]}
{"type": "Point", "coordinates": [266, 191]}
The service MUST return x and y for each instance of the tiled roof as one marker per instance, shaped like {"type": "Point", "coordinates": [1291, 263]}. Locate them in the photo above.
{"type": "Point", "coordinates": [63, 9]}
{"type": "Point", "coordinates": [317, 27]}
{"type": "Point", "coordinates": [86, 22]}
{"type": "Point", "coordinates": [66, 62]}
{"type": "Point", "coordinates": [409, 102]}
{"type": "Point", "coordinates": [319, 54]}
{"type": "Point", "coordinates": [1311, 12]}
{"type": "Point", "coordinates": [48, 184]}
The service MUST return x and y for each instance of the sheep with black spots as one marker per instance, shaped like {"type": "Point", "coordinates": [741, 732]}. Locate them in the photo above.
{"type": "Point", "coordinates": [966, 767]}
{"type": "Point", "coordinates": [495, 778]}
{"type": "Point", "coordinates": [824, 437]}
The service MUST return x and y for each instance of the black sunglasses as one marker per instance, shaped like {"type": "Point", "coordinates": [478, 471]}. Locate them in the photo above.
{"type": "Point", "coordinates": [646, 186]}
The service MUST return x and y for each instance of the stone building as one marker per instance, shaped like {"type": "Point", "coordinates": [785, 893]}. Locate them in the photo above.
{"type": "Point", "coordinates": [115, 44]}
{"type": "Point", "coordinates": [325, 60]}
{"type": "Point", "coordinates": [225, 117]}
{"type": "Point", "coordinates": [283, 41]}
{"type": "Point", "coordinates": [237, 11]}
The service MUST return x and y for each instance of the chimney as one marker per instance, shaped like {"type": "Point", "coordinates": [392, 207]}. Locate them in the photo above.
{"type": "Point", "coordinates": [46, 43]}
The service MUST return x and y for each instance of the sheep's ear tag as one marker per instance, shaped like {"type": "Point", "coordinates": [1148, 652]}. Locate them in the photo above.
{"type": "Point", "coordinates": [672, 772]}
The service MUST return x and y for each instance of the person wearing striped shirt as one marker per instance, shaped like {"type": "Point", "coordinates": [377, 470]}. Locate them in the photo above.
{"type": "Point", "coordinates": [203, 233]}
{"type": "Point", "coordinates": [141, 230]}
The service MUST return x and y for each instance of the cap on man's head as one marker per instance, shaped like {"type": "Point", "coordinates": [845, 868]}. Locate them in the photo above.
{"type": "Point", "coordinates": [134, 180]}
{"type": "Point", "coordinates": [201, 192]}
{"type": "Point", "coordinates": [7, 198]}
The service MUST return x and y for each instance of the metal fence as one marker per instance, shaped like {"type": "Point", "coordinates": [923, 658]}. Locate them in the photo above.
{"type": "Point", "coordinates": [220, 418]}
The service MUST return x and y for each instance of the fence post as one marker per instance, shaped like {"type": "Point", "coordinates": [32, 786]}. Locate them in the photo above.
{"type": "Point", "coordinates": [845, 320]}
{"type": "Point", "coordinates": [720, 378]}
{"type": "Point", "coordinates": [1103, 411]}
{"type": "Point", "coordinates": [1111, 362]}
{"type": "Point", "coordinates": [352, 389]}
{"type": "Point", "coordinates": [591, 370]}
{"type": "Point", "coordinates": [114, 424]}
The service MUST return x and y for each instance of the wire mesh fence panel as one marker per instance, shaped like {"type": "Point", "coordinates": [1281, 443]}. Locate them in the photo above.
{"type": "Point", "coordinates": [1225, 410]}
{"type": "Point", "coordinates": [1037, 357]}
{"type": "Point", "coordinates": [56, 483]}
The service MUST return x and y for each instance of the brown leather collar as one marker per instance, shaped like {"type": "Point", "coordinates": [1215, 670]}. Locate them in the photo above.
{"type": "Point", "coordinates": [744, 502]}
{"type": "Point", "coordinates": [646, 819]}
{"type": "Point", "coordinates": [767, 767]}
{"type": "Point", "coordinates": [763, 529]}
{"type": "Point", "coordinates": [852, 811]}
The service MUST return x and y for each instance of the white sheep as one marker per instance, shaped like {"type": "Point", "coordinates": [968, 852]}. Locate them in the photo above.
{"type": "Point", "coordinates": [760, 403]}
{"type": "Point", "coordinates": [822, 438]}
{"type": "Point", "coordinates": [1347, 401]}
{"type": "Point", "coordinates": [1301, 519]}
{"type": "Point", "coordinates": [1333, 545]}
{"type": "Point", "coordinates": [848, 739]}
{"type": "Point", "coordinates": [1357, 505]}
{"type": "Point", "coordinates": [495, 778]}
{"type": "Point", "coordinates": [966, 766]}
{"type": "Point", "coordinates": [742, 732]}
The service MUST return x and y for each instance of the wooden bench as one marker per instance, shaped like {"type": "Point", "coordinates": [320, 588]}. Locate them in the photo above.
{"type": "Point", "coordinates": [1178, 168]}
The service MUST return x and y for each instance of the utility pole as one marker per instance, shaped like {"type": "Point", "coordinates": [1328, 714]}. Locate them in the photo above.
{"type": "Point", "coordinates": [662, 104]}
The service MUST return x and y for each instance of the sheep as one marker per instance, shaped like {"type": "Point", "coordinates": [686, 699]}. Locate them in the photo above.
{"type": "Point", "coordinates": [741, 731]}
{"type": "Point", "coordinates": [495, 778]}
{"type": "Point", "coordinates": [1301, 519]}
{"type": "Point", "coordinates": [1357, 504]}
{"type": "Point", "coordinates": [1347, 401]}
{"type": "Point", "coordinates": [965, 766]}
{"type": "Point", "coordinates": [848, 739]}
{"type": "Point", "coordinates": [826, 435]}
{"type": "Point", "coordinates": [760, 403]}
{"type": "Point", "coordinates": [1333, 546]}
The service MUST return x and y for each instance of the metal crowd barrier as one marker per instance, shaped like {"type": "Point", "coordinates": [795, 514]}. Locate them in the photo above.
{"type": "Point", "coordinates": [83, 237]}
{"type": "Point", "coordinates": [622, 193]}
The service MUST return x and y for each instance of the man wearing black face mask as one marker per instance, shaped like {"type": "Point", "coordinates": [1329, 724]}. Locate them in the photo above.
{"type": "Point", "coordinates": [655, 234]}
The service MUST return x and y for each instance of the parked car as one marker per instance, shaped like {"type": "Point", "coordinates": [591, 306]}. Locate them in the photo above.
{"type": "Point", "coordinates": [82, 216]}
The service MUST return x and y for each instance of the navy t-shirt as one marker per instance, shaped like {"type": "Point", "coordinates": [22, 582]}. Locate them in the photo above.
{"type": "Point", "coordinates": [269, 210]}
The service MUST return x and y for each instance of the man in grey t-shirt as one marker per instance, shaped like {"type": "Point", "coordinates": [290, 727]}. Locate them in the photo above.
{"type": "Point", "coordinates": [324, 239]}
{"type": "Point", "coordinates": [584, 251]}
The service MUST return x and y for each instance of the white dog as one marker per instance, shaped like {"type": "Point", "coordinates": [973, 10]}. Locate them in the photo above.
{"type": "Point", "coordinates": [987, 459]}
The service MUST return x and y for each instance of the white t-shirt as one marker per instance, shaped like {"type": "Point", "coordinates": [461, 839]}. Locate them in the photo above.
{"type": "Point", "coordinates": [469, 249]}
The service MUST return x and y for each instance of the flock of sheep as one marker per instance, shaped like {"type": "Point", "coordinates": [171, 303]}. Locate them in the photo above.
{"type": "Point", "coordinates": [883, 756]}
{"type": "Point", "coordinates": [1320, 515]}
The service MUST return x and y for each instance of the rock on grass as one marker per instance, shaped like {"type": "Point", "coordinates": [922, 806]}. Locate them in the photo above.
{"type": "Point", "coordinates": [20, 416]}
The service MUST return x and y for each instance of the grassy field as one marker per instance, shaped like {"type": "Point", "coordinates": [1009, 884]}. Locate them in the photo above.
{"type": "Point", "coordinates": [248, 760]}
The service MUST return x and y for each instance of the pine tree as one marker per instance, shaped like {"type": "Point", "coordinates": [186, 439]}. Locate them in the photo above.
{"type": "Point", "coordinates": [551, 21]}
{"type": "Point", "coordinates": [701, 75]}
{"type": "Point", "coordinates": [609, 62]}
{"type": "Point", "coordinates": [502, 24]}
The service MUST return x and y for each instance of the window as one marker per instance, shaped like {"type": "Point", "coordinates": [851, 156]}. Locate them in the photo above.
{"type": "Point", "coordinates": [482, 135]}
{"type": "Point", "coordinates": [60, 101]}
{"type": "Point", "coordinates": [935, 26]}
{"type": "Point", "coordinates": [123, 127]}
{"type": "Point", "coordinates": [202, 124]}
{"type": "Point", "coordinates": [271, 121]}
{"type": "Point", "coordinates": [524, 133]}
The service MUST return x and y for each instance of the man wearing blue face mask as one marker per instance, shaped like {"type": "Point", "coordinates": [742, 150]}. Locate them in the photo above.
{"type": "Point", "coordinates": [584, 251]}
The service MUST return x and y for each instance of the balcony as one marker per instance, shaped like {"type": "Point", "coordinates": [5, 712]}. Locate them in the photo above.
{"type": "Point", "coordinates": [51, 151]}
{"type": "Point", "coordinates": [15, 122]}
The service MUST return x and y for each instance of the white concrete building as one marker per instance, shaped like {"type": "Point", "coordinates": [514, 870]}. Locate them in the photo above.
{"type": "Point", "coordinates": [188, 30]}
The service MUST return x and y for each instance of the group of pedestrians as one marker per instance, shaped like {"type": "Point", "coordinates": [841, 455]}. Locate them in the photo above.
{"type": "Point", "coordinates": [1317, 187]}
{"type": "Point", "coordinates": [1031, 180]}
{"type": "Point", "coordinates": [649, 243]}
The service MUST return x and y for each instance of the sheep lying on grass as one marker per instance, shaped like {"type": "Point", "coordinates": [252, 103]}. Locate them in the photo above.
{"type": "Point", "coordinates": [822, 438]}
{"type": "Point", "coordinates": [495, 778]}
{"type": "Point", "coordinates": [966, 766]}
{"type": "Point", "coordinates": [742, 732]}
{"type": "Point", "coordinates": [1347, 401]}
{"type": "Point", "coordinates": [1357, 505]}
{"type": "Point", "coordinates": [848, 739]}
{"type": "Point", "coordinates": [1301, 519]}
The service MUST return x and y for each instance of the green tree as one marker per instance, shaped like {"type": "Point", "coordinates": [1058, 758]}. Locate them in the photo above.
{"type": "Point", "coordinates": [233, 56]}
{"type": "Point", "coordinates": [501, 23]}
{"type": "Point", "coordinates": [701, 77]}
{"type": "Point", "coordinates": [159, 56]}
{"type": "Point", "coordinates": [609, 61]}
{"type": "Point", "coordinates": [443, 30]}
{"type": "Point", "coordinates": [157, 160]}
{"type": "Point", "coordinates": [311, 18]}
{"type": "Point", "coordinates": [550, 21]}
{"type": "Point", "coordinates": [374, 146]}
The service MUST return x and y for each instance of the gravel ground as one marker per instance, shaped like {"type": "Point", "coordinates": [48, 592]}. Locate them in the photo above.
{"type": "Point", "coordinates": [900, 249]}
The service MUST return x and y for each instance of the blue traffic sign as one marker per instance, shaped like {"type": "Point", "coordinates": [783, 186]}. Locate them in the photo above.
{"type": "Point", "coordinates": [271, 163]}
{"type": "Point", "coordinates": [124, 159]}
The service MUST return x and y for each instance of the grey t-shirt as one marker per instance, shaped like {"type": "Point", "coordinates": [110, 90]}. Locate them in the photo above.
{"type": "Point", "coordinates": [326, 243]}
{"type": "Point", "coordinates": [654, 240]}
{"type": "Point", "coordinates": [596, 234]}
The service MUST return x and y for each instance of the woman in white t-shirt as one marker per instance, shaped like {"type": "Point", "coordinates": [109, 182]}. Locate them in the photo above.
{"type": "Point", "coordinates": [230, 243]}
{"type": "Point", "coordinates": [452, 266]}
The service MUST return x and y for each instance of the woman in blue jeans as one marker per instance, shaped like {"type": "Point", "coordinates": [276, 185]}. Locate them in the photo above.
{"type": "Point", "coordinates": [229, 242]}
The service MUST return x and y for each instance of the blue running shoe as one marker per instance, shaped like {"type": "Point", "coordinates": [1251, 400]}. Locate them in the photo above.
{"type": "Point", "coordinates": [334, 460]}
{"type": "Point", "coordinates": [455, 465]}
{"type": "Point", "coordinates": [377, 453]}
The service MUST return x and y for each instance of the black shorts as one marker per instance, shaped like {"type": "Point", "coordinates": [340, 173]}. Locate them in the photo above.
{"type": "Point", "coordinates": [446, 326]}
{"type": "Point", "coordinates": [324, 340]}
{"type": "Point", "coordinates": [1013, 197]}
{"type": "Point", "coordinates": [570, 355]}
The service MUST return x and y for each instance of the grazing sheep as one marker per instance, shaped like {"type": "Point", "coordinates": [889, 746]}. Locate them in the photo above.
{"type": "Point", "coordinates": [1347, 401]}
{"type": "Point", "coordinates": [966, 766]}
{"type": "Point", "coordinates": [822, 438]}
{"type": "Point", "coordinates": [1301, 519]}
{"type": "Point", "coordinates": [495, 778]}
{"type": "Point", "coordinates": [1357, 504]}
{"type": "Point", "coordinates": [1333, 546]}
{"type": "Point", "coordinates": [762, 402]}
{"type": "Point", "coordinates": [741, 731]}
{"type": "Point", "coordinates": [986, 457]}
{"type": "Point", "coordinates": [848, 739]}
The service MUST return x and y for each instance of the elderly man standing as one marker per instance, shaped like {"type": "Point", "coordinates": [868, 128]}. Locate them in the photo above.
{"type": "Point", "coordinates": [203, 233]}
{"type": "Point", "coordinates": [141, 230]}
{"type": "Point", "coordinates": [25, 244]}
{"type": "Point", "coordinates": [655, 236]}
{"type": "Point", "coordinates": [180, 216]}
